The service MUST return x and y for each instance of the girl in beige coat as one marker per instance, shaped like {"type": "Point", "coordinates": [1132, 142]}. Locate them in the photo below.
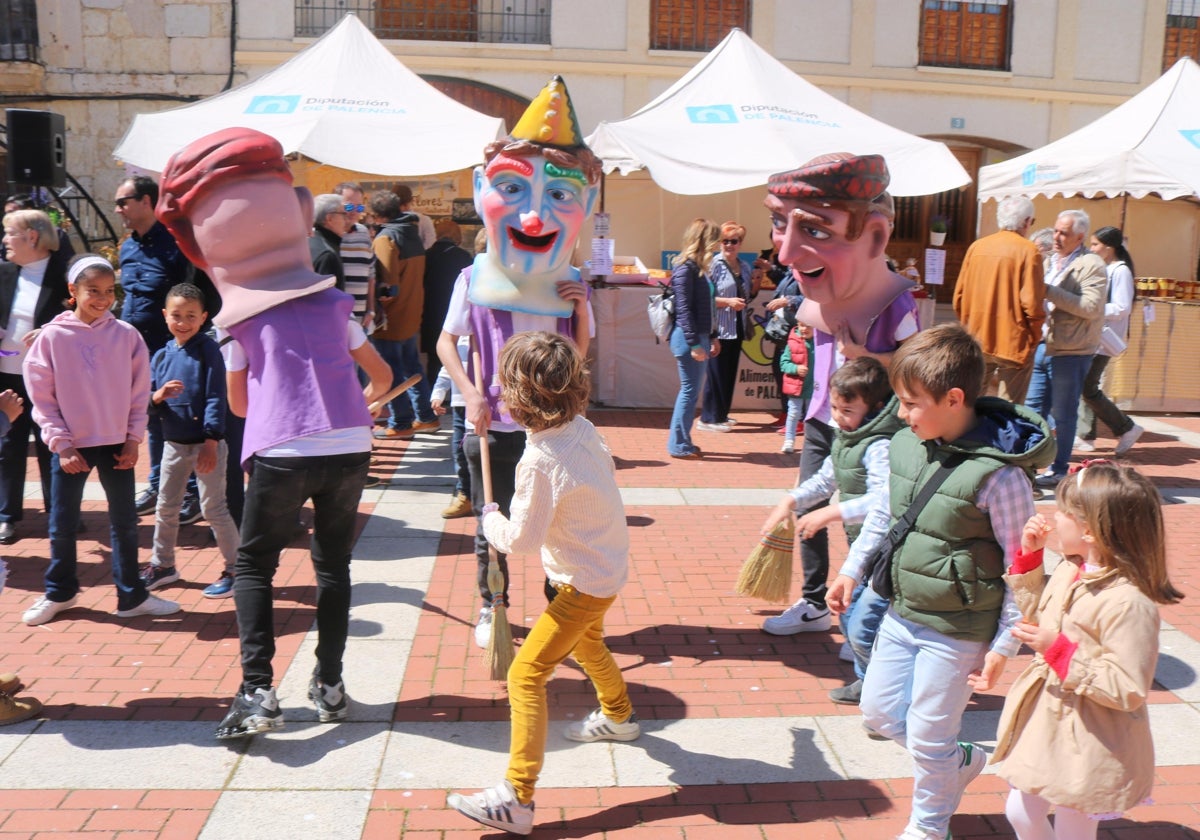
{"type": "Point", "coordinates": [1075, 733]}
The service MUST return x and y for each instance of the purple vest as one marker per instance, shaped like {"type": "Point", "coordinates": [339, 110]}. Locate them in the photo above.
{"type": "Point", "coordinates": [490, 330]}
{"type": "Point", "coordinates": [880, 339]}
{"type": "Point", "coordinates": [301, 378]}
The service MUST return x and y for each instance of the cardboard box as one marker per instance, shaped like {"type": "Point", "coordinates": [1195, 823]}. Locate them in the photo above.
{"type": "Point", "coordinates": [628, 271]}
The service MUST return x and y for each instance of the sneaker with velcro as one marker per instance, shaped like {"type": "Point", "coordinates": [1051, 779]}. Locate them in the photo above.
{"type": "Point", "coordinates": [496, 807]}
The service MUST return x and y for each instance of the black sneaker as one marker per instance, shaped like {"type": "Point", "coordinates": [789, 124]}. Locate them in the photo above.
{"type": "Point", "coordinates": [258, 712]}
{"type": "Point", "coordinates": [146, 501]}
{"type": "Point", "coordinates": [330, 700]}
{"type": "Point", "coordinates": [189, 513]}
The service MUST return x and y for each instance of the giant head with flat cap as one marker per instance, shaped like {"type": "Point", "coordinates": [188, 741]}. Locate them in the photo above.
{"type": "Point", "coordinates": [831, 220]}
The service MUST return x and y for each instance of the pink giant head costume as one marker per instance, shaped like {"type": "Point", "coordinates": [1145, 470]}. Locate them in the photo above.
{"type": "Point", "coordinates": [534, 192]}
{"type": "Point", "coordinates": [831, 221]}
{"type": "Point", "coordinates": [228, 200]}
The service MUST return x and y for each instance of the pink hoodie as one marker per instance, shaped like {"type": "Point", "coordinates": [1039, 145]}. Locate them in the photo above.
{"type": "Point", "coordinates": [89, 383]}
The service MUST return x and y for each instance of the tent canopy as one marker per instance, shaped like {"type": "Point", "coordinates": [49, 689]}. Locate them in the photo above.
{"type": "Point", "coordinates": [1149, 144]}
{"type": "Point", "coordinates": [345, 101]}
{"type": "Point", "coordinates": [740, 116]}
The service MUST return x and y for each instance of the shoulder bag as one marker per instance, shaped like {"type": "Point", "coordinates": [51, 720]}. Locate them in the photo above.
{"type": "Point", "coordinates": [661, 310]}
{"type": "Point", "coordinates": [879, 562]}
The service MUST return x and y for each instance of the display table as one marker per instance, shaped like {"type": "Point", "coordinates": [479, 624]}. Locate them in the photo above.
{"type": "Point", "coordinates": [632, 371]}
{"type": "Point", "coordinates": [1160, 370]}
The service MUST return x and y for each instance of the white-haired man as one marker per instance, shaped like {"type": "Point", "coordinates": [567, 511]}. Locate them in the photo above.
{"type": "Point", "coordinates": [325, 243]}
{"type": "Point", "coordinates": [1000, 299]}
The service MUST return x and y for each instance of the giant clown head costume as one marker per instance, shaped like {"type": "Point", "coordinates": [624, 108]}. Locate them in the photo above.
{"type": "Point", "coordinates": [534, 193]}
{"type": "Point", "coordinates": [831, 220]}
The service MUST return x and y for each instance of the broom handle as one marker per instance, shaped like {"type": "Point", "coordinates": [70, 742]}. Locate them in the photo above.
{"type": "Point", "coordinates": [395, 392]}
{"type": "Point", "coordinates": [485, 456]}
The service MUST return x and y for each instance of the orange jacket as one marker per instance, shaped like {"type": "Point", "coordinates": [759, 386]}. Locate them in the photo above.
{"type": "Point", "coordinates": [1000, 296]}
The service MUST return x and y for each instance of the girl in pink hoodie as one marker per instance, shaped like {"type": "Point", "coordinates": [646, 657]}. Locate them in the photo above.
{"type": "Point", "coordinates": [88, 376]}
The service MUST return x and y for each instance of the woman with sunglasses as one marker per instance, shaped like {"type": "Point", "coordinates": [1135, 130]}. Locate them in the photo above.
{"type": "Point", "coordinates": [736, 284]}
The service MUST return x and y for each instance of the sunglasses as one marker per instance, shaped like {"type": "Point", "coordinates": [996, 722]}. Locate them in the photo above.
{"type": "Point", "coordinates": [354, 208]}
{"type": "Point", "coordinates": [731, 242]}
{"type": "Point", "coordinates": [123, 200]}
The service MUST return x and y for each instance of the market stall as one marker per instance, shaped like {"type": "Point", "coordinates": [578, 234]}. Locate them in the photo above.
{"type": "Point", "coordinates": [344, 101]}
{"type": "Point", "coordinates": [1158, 371]}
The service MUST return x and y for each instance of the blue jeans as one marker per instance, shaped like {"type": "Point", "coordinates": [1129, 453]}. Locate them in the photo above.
{"type": "Point", "coordinates": [458, 432]}
{"type": "Point", "coordinates": [278, 488]}
{"type": "Point", "coordinates": [915, 693]}
{"type": "Point", "coordinates": [66, 496]}
{"type": "Point", "coordinates": [797, 407]}
{"type": "Point", "coordinates": [1037, 397]}
{"type": "Point", "coordinates": [1066, 386]}
{"type": "Point", "coordinates": [405, 360]}
{"type": "Point", "coordinates": [861, 625]}
{"type": "Point", "coordinates": [691, 380]}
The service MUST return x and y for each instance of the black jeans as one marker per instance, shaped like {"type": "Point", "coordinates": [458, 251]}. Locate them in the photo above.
{"type": "Point", "coordinates": [722, 380]}
{"type": "Point", "coordinates": [14, 452]}
{"type": "Point", "coordinates": [278, 489]}
{"type": "Point", "coordinates": [1095, 404]}
{"type": "Point", "coordinates": [814, 551]}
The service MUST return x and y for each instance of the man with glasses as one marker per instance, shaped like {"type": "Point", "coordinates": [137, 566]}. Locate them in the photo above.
{"type": "Point", "coordinates": [151, 263]}
{"type": "Point", "coordinates": [358, 260]}
{"type": "Point", "coordinates": [325, 243]}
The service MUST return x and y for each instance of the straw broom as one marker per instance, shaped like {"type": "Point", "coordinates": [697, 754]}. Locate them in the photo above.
{"type": "Point", "coordinates": [499, 651]}
{"type": "Point", "coordinates": [767, 572]}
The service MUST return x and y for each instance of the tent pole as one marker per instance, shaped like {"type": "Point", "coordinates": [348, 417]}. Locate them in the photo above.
{"type": "Point", "coordinates": [1124, 205]}
{"type": "Point", "coordinates": [603, 184]}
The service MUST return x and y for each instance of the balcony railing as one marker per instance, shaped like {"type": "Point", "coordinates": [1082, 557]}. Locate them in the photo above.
{"type": "Point", "coordinates": [484, 21]}
{"type": "Point", "coordinates": [18, 30]}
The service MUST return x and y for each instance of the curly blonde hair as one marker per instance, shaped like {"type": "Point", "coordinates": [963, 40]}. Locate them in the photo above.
{"type": "Point", "coordinates": [544, 380]}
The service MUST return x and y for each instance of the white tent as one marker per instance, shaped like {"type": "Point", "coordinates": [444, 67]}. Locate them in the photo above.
{"type": "Point", "coordinates": [1150, 144]}
{"type": "Point", "coordinates": [740, 115]}
{"type": "Point", "coordinates": [344, 101]}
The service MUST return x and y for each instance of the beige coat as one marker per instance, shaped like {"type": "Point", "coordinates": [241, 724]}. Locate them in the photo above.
{"type": "Point", "coordinates": [1075, 324]}
{"type": "Point", "coordinates": [1083, 742]}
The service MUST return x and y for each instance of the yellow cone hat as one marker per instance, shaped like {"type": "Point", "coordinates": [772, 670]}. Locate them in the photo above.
{"type": "Point", "coordinates": [550, 118]}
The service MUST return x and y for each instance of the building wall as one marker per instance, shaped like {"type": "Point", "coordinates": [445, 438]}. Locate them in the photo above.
{"type": "Point", "coordinates": [107, 60]}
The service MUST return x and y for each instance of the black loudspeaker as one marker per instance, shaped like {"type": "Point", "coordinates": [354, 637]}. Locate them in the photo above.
{"type": "Point", "coordinates": [37, 148]}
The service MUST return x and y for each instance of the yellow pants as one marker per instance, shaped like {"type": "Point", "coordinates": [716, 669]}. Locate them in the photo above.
{"type": "Point", "coordinates": [573, 623]}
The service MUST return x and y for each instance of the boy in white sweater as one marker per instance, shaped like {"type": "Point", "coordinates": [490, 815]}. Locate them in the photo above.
{"type": "Point", "coordinates": [566, 505]}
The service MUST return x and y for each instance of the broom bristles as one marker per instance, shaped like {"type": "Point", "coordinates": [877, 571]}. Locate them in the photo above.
{"type": "Point", "coordinates": [499, 651]}
{"type": "Point", "coordinates": [767, 572]}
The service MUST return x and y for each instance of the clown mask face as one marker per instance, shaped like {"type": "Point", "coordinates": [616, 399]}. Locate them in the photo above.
{"type": "Point", "coordinates": [533, 211]}
{"type": "Point", "coordinates": [812, 240]}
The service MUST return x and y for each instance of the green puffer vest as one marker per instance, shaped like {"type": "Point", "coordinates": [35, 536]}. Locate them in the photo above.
{"type": "Point", "coordinates": [849, 449]}
{"type": "Point", "coordinates": [948, 572]}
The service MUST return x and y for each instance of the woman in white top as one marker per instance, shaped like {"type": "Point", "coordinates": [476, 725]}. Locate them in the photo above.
{"type": "Point", "coordinates": [33, 289]}
{"type": "Point", "coordinates": [1108, 244]}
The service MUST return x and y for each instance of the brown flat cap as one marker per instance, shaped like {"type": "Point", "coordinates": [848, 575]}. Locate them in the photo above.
{"type": "Point", "coordinates": [835, 177]}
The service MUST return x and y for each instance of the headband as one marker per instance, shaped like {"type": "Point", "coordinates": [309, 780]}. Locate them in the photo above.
{"type": "Point", "coordinates": [84, 263]}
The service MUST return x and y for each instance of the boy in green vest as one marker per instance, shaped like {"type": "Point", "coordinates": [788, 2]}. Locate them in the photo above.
{"type": "Point", "coordinates": [862, 406]}
{"type": "Point", "coordinates": [948, 630]}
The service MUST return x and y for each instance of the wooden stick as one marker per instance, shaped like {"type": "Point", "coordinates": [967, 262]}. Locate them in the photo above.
{"type": "Point", "coordinates": [395, 392]}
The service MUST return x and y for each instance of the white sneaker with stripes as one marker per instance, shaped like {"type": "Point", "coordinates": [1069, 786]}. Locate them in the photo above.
{"type": "Point", "coordinates": [496, 807]}
{"type": "Point", "coordinates": [598, 727]}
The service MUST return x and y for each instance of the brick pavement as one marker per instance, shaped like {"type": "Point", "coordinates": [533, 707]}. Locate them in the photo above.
{"type": "Point", "coordinates": [692, 652]}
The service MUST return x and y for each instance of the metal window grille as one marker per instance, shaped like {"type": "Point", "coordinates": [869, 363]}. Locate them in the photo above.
{"type": "Point", "coordinates": [1183, 32]}
{"type": "Point", "coordinates": [486, 21]}
{"type": "Point", "coordinates": [956, 33]}
{"type": "Point", "coordinates": [18, 30]}
{"type": "Point", "coordinates": [697, 25]}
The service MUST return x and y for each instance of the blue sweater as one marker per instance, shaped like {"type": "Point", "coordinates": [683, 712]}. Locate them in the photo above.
{"type": "Point", "coordinates": [197, 413]}
{"type": "Point", "coordinates": [150, 266]}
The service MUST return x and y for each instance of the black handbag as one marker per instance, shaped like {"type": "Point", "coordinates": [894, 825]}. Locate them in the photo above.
{"type": "Point", "coordinates": [879, 561]}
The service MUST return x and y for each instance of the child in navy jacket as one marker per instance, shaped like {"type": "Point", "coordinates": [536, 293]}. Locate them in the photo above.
{"type": "Point", "coordinates": [187, 381]}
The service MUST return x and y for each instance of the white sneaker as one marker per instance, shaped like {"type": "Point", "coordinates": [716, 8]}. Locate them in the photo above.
{"type": "Point", "coordinates": [789, 446]}
{"type": "Point", "coordinates": [1082, 445]}
{"type": "Point", "coordinates": [1126, 441]}
{"type": "Point", "coordinates": [153, 605]}
{"type": "Point", "coordinates": [971, 762]}
{"type": "Point", "coordinates": [913, 833]}
{"type": "Point", "coordinates": [800, 617]}
{"type": "Point", "coordinates": [712, 427]}
{"type": "Point", "coordinates": [44, 609]}
{"type": "Point", "coordinates": [597, 726]}
{"type": "Point", "coordinates": [496, 807]}
{"type": "Point", "coordinates": [483, 628]}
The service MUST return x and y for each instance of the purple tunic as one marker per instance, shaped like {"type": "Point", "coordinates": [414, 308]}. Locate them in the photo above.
{"type": "Point", "coordinates": [881, 334]}
{"type": "Point", "coordinates": [301, 378]}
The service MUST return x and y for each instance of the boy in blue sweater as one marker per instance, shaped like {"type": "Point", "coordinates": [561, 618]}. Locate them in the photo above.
{"type": "Point", "coordinates": [187, 381]}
